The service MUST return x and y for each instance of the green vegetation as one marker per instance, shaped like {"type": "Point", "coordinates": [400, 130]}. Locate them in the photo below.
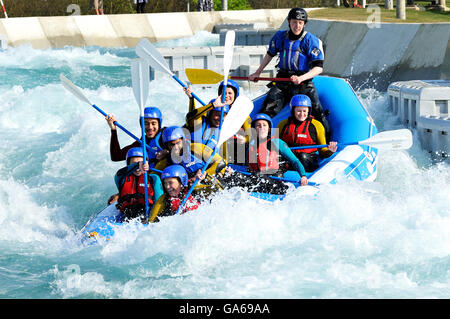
{"type": "Point", "coordinates": [29, 8]}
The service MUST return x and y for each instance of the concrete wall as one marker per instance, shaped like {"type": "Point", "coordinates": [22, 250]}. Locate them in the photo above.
{"type": "Point", "coordinates": [125, 30]}
{"type": "Point", "coordinates": [366, 55]}
{"type": "Point", "coordinates": [375, 57]}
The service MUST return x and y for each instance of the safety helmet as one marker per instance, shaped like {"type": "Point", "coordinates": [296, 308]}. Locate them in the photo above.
{"type": "Point", "coordinates": [134, 152]}
{"type": "Point", "coordinates": [300, 100]}
{"type": "Point", "coordinates": [232, 84]}
{"type": "Point", "coordinates": [152, 112]}
{"type": "Point", "coordinates": [298, 13]}
{"type": "Point", "coordinates": [262, 116]}
{"type": "Point", "coordinates": [172, 133]}
{"type": "Point", "coordinates": [176, 171]}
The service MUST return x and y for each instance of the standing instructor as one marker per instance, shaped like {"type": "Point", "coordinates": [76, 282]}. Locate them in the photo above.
{"type": "Point", "coordinates": [301, 58]}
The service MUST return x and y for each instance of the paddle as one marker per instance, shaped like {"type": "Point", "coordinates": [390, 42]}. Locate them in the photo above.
{"type": "Point", "coordinates": [140, 77]}
{"type": "Point", "coordinates": [201, 76]}
{"type": "Point", "coordinates": [242, 107]}
{"type": "Point", "coordinates": [147, 51]}
{"type": "Point", "coordinates": [77, 92]}
{"type": "Point", "coordinates": [227, 59]}
{"type": "Point", "coordinates": [388, 140]}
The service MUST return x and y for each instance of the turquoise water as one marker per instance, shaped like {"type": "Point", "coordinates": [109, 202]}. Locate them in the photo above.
{"type": "Point", "coordinates": [386, 239]}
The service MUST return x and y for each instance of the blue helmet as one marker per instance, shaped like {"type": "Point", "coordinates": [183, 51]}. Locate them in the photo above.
{"type": "Point", "coordinates": [175, 171]}
{"type": "Point", "coordinates": [172, 133]}
{"type": "Point", "coordinates": [262, 116]}
{"type": "Point", "coordinates": [152, 112]}
{"type": "Point", "coordinates": [134, 152]}
{"type": "Point", "coordinates": [300, 100]}
{"type": "Point", "coordinates": [232, 84]}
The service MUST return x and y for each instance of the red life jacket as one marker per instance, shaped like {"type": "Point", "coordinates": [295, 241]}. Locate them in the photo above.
{"type": "Point", "coordinates": [191, 204]}
{"type": "Point", "coordinates": [133, 192]}
{"type": "Point", "coordinates": [261, 159]}
{"type": "Point", "coordinates": [298, 135]}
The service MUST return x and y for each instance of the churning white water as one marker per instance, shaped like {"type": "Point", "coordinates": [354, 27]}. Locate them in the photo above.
{"type": "Point", "coordinates": [385, 239]}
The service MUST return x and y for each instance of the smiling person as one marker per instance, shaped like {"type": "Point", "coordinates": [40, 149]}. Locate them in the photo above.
{"type": "Point", "coordinates": [176, 185]}
{"type": "Point", "coordinates": [153, 129]}
{"type": "Point", "coordinates": [301, 58]}
{"type": "Point", "coordinates": [301, 129]}
{"type": "Point", "coordinates": [204, 122]}
{"type": "Point", "coordinates": [265, 155]}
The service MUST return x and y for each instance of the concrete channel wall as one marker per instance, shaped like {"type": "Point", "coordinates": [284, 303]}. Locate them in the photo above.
{"type": "Point", "coordinates": [365, 54]}
{"type": "Point", "coordinates": [125, 30]}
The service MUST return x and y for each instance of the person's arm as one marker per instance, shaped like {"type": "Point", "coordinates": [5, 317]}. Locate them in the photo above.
{"type": "Point", "coordinates": [217, 164]}
{"type": "Point", "coordinates": [286, 152]}
{"type": "Point", "coordinates": [157, 186]}
{"type": "Point", "coordinates": [196, 114]}
{"type": "Point", "coordinates": [321, 140]}
{"type": "Point", "coordinates": [307, 76]}
{"type": "Point", "coordinates": [188, 91]}
{"type": "Point", "coordinates": [316, 57]}
{"type": "Point", "coordinates": [116, 153]}
{"type": "Point", "coordinates": [122, 173]}
{"type": "Point", "coordinates": [266, 60]}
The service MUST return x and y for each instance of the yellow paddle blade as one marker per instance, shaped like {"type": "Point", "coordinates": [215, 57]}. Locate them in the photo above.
{"type": "Point", "coordinates": [202, 76]}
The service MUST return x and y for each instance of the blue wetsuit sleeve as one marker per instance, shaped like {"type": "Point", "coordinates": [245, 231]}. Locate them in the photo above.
{"type": "Point", "coordinates": [157, 186]}
{"type": "Point", "coordinates": [286, 152]}
{"type": "Point", "coordinates": [315, 48]}
{"type": "Point", "coordinates": [273, 44]}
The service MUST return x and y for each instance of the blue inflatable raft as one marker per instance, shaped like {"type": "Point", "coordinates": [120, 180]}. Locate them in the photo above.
{"type": "Point", "coordinates": [349, 122]}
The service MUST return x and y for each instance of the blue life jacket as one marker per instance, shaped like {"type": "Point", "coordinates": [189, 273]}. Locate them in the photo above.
{"type": "Point", "coordinates": [154, 146]}
{"type": "Point", "coordinates": [298, 54]}
{"type": "Point", "coordinates": [206, 134]}
{"type": "Point", "coordinates": [189, 161]}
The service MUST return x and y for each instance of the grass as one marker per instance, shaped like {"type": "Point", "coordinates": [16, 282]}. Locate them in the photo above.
{"type": "Point", "coordinates": [360, 14]}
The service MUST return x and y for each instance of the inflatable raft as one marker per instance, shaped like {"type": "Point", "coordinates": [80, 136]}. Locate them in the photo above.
{"type": "Point", "coordinates": [349, 122]}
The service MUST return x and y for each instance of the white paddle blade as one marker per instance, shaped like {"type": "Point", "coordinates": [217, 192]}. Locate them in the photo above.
{"type": "Point", "coordinates": [390, 140]}
{"type": "Point", "coordinates": [228, 53]}
{"type": "Point", "coordinates": [147, 51]}
{"type": "Point", "coordinates": [69, 86]}
{"type": "Point", "coordinates": [140, 78]}
{"type": "Point", "coordinates": [240, 111]}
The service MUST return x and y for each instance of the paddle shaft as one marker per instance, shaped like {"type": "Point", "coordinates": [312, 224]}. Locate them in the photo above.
{"type": "Point", "coordinates": [281, 179]}
{"type": "Point", "coordinates": [119, 125]}
{"type": "Point", "coordinates": [145, 175]}
{"type": "Point", "coordinates": [185, 86]}
{"type": "Point", "coordinates": [262, 79]}
{"type": "Point", "coordinates": [191, 189]}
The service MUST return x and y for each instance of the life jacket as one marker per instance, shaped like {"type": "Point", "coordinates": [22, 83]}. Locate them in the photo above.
{"type": "Point", "coordinates": [189, 161]}
{"type": "Point", "coordinates": [175, 202]}
{"type": "Point", "coordinates": [155, 147]}
{"type": "Point", "coordinates": [133, 192]}
{"type": "Point", "coordinates": [296, 55]}
{"type": "Point", "coordinates": [206, 134]}
{"type": "Point", "coordinates": [298, 135]}
{"type": "Point", "coordinates": [261, 159]}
